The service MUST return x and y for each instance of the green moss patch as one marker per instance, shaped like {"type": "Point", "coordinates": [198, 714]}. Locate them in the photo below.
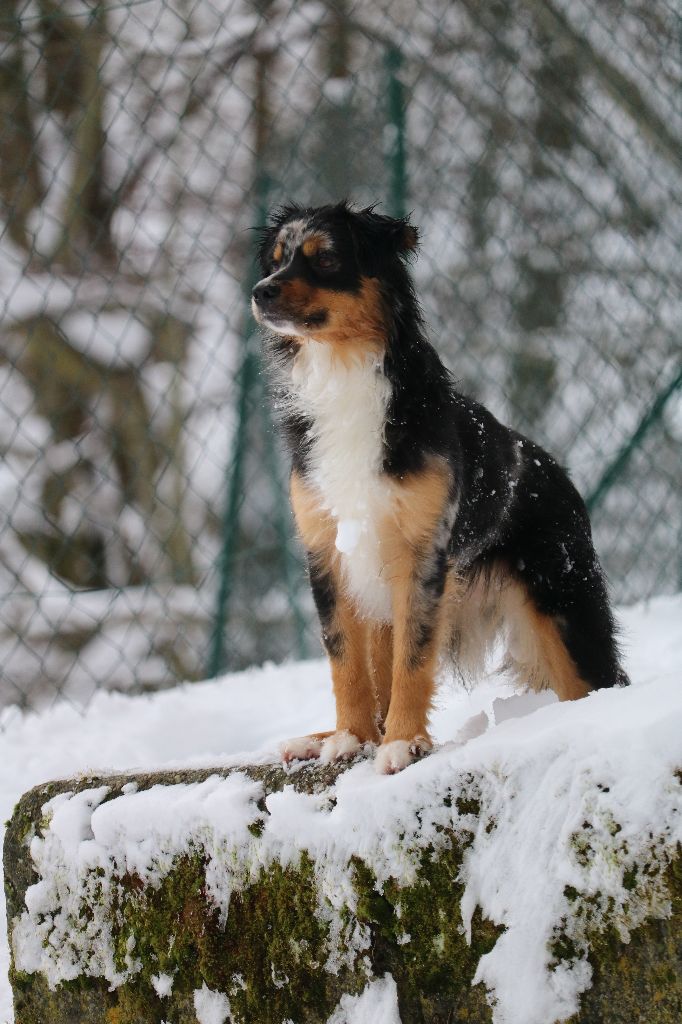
{"type": "Point", "coordinates": [418, 936]}
{"type": "Point", "coordinates": [268, 957]}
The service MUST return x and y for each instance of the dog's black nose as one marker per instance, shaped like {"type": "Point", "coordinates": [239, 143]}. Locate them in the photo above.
{"type": "Point", "coordinates": [265, 292]}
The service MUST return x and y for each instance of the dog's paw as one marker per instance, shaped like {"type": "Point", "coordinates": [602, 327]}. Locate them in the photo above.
{"type": "Point", "coordinates": [395, 755]}
{"type": "Point", "coordinates": [340, 746]}
{"type": "Point", "coordinates": [302, 748]}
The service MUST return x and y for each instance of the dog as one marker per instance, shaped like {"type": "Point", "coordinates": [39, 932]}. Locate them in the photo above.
{"type": "Point", "coordinates": [430, 528]}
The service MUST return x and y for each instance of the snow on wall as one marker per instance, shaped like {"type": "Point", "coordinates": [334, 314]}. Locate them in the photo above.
{"type": "Point", "coordinates": [376, 1004]}
{"type": "Point", "coordinates": [597, 774]}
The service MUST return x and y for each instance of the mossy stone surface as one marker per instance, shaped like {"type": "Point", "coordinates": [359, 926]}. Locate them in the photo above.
{"type": "Point", "coordinates": [269, 956]}
{"type": "Point", "coordinates": [639, 982]}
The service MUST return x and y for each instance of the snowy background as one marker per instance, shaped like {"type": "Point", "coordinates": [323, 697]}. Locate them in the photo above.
{"type": "Point", "coordinates": [629, 740]}
{"type": "Point", "coordinates": [139, 145]}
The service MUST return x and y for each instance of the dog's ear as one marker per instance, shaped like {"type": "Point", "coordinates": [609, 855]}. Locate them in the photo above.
{"type": "Point", "coordinates": [409, 237]}
{"type": "Point", "coordinates": [404, 236]}
{"type": "Point", "coordinates": [392, 234]}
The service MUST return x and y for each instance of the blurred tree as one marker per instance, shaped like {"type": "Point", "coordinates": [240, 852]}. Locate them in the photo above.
{"type": "Point", "coordinates": [22, 188]}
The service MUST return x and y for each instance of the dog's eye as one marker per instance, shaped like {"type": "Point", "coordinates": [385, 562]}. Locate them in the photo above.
{"type": "Point", "coordinates": [325, 261]}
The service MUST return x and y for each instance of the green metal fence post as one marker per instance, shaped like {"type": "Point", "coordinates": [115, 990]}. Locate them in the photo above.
{"type": "Point", "coordinates": [615, 468]}
{"type": "Point", "coordinates": [289, 561]}
{"type": "Point", "coordinates": [395, 150]}
{"type": "Point", "coordinates": [248, 374]}
{"type": "Point", "coordinates": [247, 380]}
{"type": "Point", "coordinates": [250, 391]}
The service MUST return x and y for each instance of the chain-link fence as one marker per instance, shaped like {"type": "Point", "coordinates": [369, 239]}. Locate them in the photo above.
{"type": "Point", "coordinates": [146, 535]}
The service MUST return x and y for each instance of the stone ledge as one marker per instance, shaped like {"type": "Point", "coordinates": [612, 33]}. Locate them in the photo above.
{"type": "Point", "coordinates": [286, 949]}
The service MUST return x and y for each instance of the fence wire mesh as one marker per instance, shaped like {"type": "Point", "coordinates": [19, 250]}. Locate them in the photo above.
{"type": "Point", "coordinates": [146, 536]}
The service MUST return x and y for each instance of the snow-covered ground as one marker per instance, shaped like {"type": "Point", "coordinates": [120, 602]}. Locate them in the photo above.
{"type": "Point", "coordinates": [249, 713]}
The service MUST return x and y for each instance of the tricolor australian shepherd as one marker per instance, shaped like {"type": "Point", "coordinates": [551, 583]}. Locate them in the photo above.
{"type": "Point", "coordinates": [429, 527]}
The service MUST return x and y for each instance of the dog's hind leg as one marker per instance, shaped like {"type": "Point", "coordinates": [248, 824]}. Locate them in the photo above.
{"type": "Point", "coordinates": [537, 653]}
{"type": "Point", "coordinates": [563, 636]}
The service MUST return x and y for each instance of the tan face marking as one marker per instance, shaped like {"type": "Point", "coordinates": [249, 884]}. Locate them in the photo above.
{"type": "Point", "coordinates": [352, 320]}
{"type": "Point", "coordinates": [278, 252]}
{"type": "Point", "coordinates": [313, 245]}
{"type": "Point", "coordinates": [299, 297]}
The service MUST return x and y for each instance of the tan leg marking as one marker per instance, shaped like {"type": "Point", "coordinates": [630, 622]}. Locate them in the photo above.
{"type": "Point", "coordinates": [355, 323]}
{"type": "Point", "coordinates": [559, 667]}
{"type": "Point", "coordinates": [419, 506]}
{"type": "Point", "coordinates": [538, 653]}
{"type": "Point", "coordinates": [381, 665]}
{"type": "Point", "coordinates": [356, 709]}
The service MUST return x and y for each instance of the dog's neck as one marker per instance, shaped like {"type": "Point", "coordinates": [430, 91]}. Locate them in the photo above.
{"type": "Point", "coordinates": [343, 390]}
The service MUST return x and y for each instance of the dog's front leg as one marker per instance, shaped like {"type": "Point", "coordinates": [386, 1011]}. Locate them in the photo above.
{"type": "Point", "coordinates": [345, 637]}
{"type": "Point", "coordinates": [381, 666]}
{"type": "Point", "coordinates": [416, 555]}
{"type": "Point", "coordinates": [416, 633]}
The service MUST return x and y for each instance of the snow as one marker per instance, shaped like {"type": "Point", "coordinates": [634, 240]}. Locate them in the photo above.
{"type": "Point", "coordinates": [348, 532]}
{"type": "Point", "coordinates": [163, 984]}
{"type": "Point", "coordinates": [211, 1007]}
{"type": "Point", "coordinates": [550, 776]}
{"type": "Point", "coordinates": [377, 1004]}
{"type": "Point", "coordinates": [109, 339]}
{"type": "Point", "coordinates": [338, 90]}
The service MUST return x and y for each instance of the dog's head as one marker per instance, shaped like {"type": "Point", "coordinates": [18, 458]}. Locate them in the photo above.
{"type": "Point", "coordinates": [326, 272]}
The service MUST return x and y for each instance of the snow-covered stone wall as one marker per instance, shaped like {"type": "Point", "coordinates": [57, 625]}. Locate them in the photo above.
{"type": "Point", "coordinates": [529, 876]}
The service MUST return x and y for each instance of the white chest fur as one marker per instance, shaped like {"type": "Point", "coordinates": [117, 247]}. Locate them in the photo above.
{"type": "Point", "coordinates": [346, 404]}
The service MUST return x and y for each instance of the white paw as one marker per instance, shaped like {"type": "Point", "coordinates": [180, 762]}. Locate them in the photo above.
{"type": "Point", "coordinates": [392, 757]}
{"type": "Point", "coordinates": [302, 748]}
{"type": "Point", "coordinates": [340, 746]}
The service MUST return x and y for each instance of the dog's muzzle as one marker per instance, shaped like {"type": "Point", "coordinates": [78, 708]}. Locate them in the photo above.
{"type": "Point", "coordinates": [265, 293]}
